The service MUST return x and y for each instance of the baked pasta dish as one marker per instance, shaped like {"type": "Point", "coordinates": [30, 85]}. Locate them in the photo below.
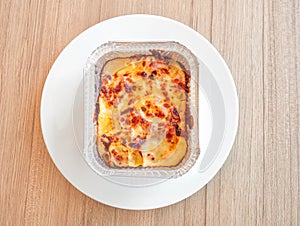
{"type": "Point", "coordinates": [141, 111]}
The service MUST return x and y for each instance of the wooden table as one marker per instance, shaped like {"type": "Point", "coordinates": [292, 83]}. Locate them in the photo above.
{"type": "Point", "coordinates": [259, 183]}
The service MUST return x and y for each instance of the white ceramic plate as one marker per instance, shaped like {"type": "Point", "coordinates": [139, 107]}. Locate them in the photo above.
{"type": "Point", "coordinates": [62, 114]}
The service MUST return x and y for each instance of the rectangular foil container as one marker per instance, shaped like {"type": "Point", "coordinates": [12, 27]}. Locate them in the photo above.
{"type": "Point", "coordinates": [92, 69]}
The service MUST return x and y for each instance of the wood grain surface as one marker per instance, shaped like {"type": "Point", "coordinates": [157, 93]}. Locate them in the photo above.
{"type": "Point", "coordinates": [259, 183]}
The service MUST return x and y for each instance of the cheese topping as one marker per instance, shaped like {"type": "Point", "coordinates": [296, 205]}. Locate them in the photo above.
{"type": "Point", "coordinates": [141, 112]}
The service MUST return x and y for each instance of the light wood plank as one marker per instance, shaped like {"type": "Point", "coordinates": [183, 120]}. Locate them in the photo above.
{"type": "Point", "coordinates": [160, 217]}
{"type": "Point", "coordinates": [17, 107]}
{"type": "Point", "coordinates": [281, 112]}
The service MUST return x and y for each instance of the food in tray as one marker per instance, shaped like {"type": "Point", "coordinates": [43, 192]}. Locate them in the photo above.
{"type": "Point", "coordinates": [142, 111]}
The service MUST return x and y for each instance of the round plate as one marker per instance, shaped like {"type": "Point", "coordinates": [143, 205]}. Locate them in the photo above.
{"type": "Point", "coordinates": [62, 120]}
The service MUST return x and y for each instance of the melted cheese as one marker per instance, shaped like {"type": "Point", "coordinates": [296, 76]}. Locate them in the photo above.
{"type": "Point", "coordinates": [142, 112]}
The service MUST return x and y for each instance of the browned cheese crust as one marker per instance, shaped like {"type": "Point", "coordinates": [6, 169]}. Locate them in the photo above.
{"type": "Point", "coordinates": [141, 112]}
